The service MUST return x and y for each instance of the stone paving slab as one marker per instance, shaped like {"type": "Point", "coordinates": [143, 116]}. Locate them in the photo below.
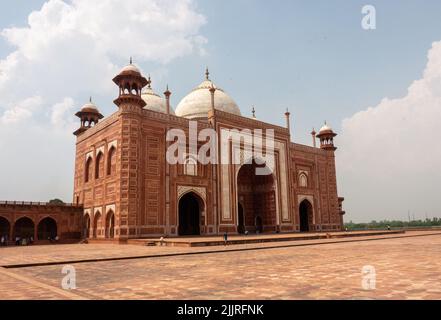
{"type": "Point", "coordinates": [14, 286]}
{"type": "Point", "coordinates": [64, 254]}
{"type": "Point", "coordinates": [406, 268]}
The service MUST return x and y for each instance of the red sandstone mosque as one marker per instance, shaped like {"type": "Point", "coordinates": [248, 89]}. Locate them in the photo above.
{"type": "Point", "coordinates": [124, 188]}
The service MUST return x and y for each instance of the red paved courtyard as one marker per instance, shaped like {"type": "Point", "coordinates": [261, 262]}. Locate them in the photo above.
{"type": "Point", "coordinates": [407, 267]}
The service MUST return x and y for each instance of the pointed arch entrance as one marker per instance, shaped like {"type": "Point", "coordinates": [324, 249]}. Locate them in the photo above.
{"type": "Point", "coordinates": [306, 216]}
{"type": "Point", "coordinates": [47, 229]}
{"type": "Point", "coordinates": [97, 225]}
{"type": "Point", "coordinates": [24, 228]}
{"type": "Point", "coordinates": [257, 196]}
{"type": "Point", "coordinates": [190, 209]}
{"type": "Point", "coordinates": [110, 225]}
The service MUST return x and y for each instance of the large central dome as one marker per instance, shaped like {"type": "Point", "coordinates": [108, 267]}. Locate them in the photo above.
{"type": "Point", "coordinates": [197, 103]}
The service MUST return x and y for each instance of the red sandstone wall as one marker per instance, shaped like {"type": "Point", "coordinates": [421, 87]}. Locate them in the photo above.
{"type": "Point", "coordinates": [96, 194]}
{"type": "Point", "coordinates": [67, 217]}
{"type": "Point", "coordinates": [322, 185]}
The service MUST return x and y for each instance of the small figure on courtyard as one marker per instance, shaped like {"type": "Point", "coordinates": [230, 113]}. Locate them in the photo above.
{"type": "Point", "coordinates": [225, 238]}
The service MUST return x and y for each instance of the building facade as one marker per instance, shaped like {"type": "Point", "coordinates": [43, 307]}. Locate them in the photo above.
{"type": "Point", "coordinates": [128, 188]}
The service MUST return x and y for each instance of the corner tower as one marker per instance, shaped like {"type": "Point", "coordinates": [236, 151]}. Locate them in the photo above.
{"type": "Point", "coordinates": [89, 116]}
{"type": "Point", "coordinates": [326, 136]}
{"type": "Point", "coordinates": [130, 82]}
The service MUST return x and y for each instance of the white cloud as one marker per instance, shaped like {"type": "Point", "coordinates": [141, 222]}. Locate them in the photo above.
{"type": "Point", "coordinates": [21, 111]}
{"type": "Point", "coordinates": [68, 51]}
{"type": "Point", "coordinates": [390, 155]}
{"type": "Point", "coordinates": [61, 113]}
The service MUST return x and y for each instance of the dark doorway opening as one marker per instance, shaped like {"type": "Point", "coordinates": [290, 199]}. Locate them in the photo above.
{"type": "Point", "coordinates": [24, 228]}
{"type": "Point", "coordinates": [47, 229]}
{"type": "Point", "coordinates": [110, 225]}
{"type": "Point", "coordinates": [305, 216]}
{"type": "Point", "coordinates": [256, 191]}
{"type": "Point", "coordinates": [241, 224]}
{"type": "Point", "coordinates": [86, 225]}
{"type": "Point", "coordinates": [5, 226]}
{"type": "Point", "coordinates": [259, 224]}
{"type": "Point", "coordinates": [97, 225]}
{"type": "Point", "coordinates": [190, 208]}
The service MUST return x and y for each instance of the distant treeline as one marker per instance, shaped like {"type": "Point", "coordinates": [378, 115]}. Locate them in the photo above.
{"type": "Point", "coordinates": [434, 222]}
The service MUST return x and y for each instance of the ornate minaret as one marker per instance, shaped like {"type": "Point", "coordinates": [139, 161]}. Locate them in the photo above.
{"type": "Point", "coordinates": [130, 82]}
{"type": "Point", "coordinates": [326, 136]}
{"type": "Point", "coordinates": [89, 116]}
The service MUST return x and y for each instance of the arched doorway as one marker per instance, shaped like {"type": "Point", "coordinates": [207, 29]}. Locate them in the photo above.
{"type": "Point", "coordinates": [5, 226]}
{"type": "Point", "coordinates": [86, 225]}
{"type": "Point", "coordinates": [190, 208]}
{"type": "Point", "coordinates": [306, 215]}
{"type": "Point", "coordinates": [47, 229]}
{"type": "Point", "coordinates": [97, 225]}
{"type": "Point", "coordinates": [258, 197]}
{"type": "Point", "coordinates": [241, 219]}
{"type": "Point", "coordinates": [110, 225]}
{"type": "Point", "coordinates": [24, 228]}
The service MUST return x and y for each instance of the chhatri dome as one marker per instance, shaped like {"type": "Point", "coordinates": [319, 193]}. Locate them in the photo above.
{"type": "Point", "coordinates": [325, 129]}
{"type": "Point", "coordinates": [197, 103]}
{"type": "Point", "coordinates": [154, 101]}
{"type": "Point", "coordinates": [130, 69]}
{"type": "Point", "coordinates": [90, 107]}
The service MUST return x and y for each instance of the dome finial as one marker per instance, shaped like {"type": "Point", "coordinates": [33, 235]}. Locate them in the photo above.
{"type": "Point", "coordinates": [90, 99]}
{"type": "Point", "coordinates": [253, 111]}
{"type": "Point", "coordinates": [207, 74]}
{"type": "Point", "coordinates": [131, 60]}
{"type": "Point", "coordinates": [149, 83]}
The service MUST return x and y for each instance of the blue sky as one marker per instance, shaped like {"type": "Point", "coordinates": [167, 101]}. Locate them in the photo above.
{"type": "Point", "coordinates": [309, 56]}
{"type": "Point", "coordinates": [312, 57]}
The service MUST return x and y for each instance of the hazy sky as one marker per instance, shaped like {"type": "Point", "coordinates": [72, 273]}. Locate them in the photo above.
{"type": "Point", "coordinates": [379, 89]}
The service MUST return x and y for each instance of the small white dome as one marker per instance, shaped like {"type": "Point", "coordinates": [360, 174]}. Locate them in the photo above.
{"type": "Point", "coordinates": [130, 68]}
{"type": "Point", "coordinates": [325, 128]}
{"type": "Point", "coordinates": [197, 103]}
{"type": "Point", "coordinates": [154, 101]}
{"type": "Point", "coordinates": [90, 107]}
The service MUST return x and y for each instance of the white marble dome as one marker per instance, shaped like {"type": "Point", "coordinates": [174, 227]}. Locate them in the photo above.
{"type": "Point", "coordinates": [197, 103]}
{"type": "Point", "coordinates": [130, 68]}
{"type": "Point", "coordinates": [154, 101]}
{"type": "Point", "coordinates": [325, 128]}
{"type": "Point", "coordinates": [90, 107]}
